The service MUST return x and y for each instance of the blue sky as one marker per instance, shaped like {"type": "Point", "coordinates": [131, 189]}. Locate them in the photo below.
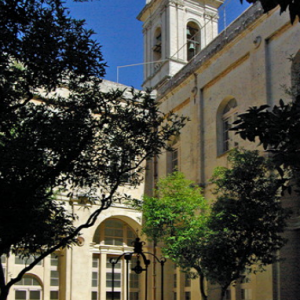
{"type": "Point", "coordinates": [120, 33]}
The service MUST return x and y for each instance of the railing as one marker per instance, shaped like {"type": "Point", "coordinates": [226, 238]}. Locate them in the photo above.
{"type": "Point", "coordinates": [229, 11]}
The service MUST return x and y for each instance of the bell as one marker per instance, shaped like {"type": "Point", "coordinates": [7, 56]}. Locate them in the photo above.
{"type": "Point", "coordinates": [188, 32]}
{"type": "Point", "coordinates": [192, 47]}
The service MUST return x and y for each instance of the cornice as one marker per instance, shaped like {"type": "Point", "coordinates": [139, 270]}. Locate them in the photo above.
{"type": "Point", "coordinates": [151, 6]}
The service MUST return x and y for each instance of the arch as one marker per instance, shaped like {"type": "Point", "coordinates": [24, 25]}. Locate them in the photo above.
{"type": "Point", "coordinates": [226, 115]}
{"type": "Point", "coordinates": [295, 75]}
{"type": "Point", "coordinates": [118, 235]}
{"type": "Point", "coordinates": [29, 287]}
{"type": "Point", "coordinates": [116, 231]}
{"type": "Point", "coordinates": [30, 279]}
{"type": "Point", "coordinates": [231, 104]}
{"type": "Point", "coordinates": [193, 38]}
{"type": "Point", "coordinates": [174, 140]}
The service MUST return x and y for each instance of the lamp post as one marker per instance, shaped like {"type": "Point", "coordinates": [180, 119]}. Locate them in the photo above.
{"type": "Point", "coordinates": [142, 264]}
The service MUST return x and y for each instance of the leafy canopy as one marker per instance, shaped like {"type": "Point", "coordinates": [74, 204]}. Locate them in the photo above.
{"type": "Point", "coordinates": [175, 217]}
{"type": "Point", "coordinates": [241, 231]}
{"type": "Point", "coordinates": [292, 5]}
{"type": "Point", "coordinates": [278, 131]}
{"type": "Point", "coordinates": [246, 220]}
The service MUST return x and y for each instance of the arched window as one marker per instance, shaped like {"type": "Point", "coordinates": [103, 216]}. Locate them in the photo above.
{"type": "Point", "coordinates": [295, 74]}
{"type": "Point", "coordinates": [193, 40]}
{"type": "Point", "coordinates": [173, 156]}
{"type": "Point", "coordinates": [157, 45]}
{"type": "Point", "coordinates": [110, 233]}
{"type": "Point", "coordinates": [114, 232]}
{"type": "Point", "coordinates": [227, 114]}
{"type": "Point", "coordinates": [28, 288]}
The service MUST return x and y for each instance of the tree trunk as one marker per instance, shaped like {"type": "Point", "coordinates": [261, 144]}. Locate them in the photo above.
{"type": "Point", "coordinates": [202, 290]}
{"type": "Point", "coordinates": [223, 291]}
{"type": "Point", "coordinates": [3, 288]}
{"type": "Point", "coordinates": [4, 293]}
{"type": "Point", "coordinates": [222, 294]}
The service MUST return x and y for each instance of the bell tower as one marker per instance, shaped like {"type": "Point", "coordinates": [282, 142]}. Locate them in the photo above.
{"type": "Point", "coordinates": [174, 32]}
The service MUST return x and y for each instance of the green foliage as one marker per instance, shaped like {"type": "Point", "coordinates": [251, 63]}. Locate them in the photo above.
{"type": "Point", "coordinates": [177, 218]}
{"type": "Point", "coordinates": [292, 5]}
{"type": "Point", "coordinates": [242, 229]}
{"type": "Point", "coordinates": [246, 221]}
{"type": "Point", "coordinates": [278, 131]}
{"type": "Point", "coordinates": [72, 136]}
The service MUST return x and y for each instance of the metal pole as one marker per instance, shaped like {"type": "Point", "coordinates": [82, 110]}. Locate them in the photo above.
{"type": "Point", "coordinates": [154, 272]}
{"type": "Point", "coordinates": [127, 277]}
{"type": "Point", "coordinates": [139, 64]}
{"type": "Point", "coordinates": [138, 269]}
{"type": "Point", "coordinates": [162, 279]}
{"type": "Point", "coordinates": [146, 283]}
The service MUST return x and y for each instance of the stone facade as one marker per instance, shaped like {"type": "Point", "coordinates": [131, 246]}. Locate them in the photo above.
{"type": "Point", "coordinates": [246, 65]}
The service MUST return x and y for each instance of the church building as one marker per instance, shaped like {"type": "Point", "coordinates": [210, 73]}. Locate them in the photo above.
{"type": "Point", "coordinates": [210, 78]}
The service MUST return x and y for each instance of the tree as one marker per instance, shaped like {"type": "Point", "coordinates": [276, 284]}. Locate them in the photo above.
{"type": "Point", "coordinates": [292, 5]}
{"type": "Point", "coordinates": [246, 220]}
{"type": "Point", "coordinates": [59, 132]}
{"type": "Point", "coordinates": [278, 131]}
{"type": "Point", "coordinates": [241, 231]}
{"type": "Point", "coordinates": [176, 217]}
